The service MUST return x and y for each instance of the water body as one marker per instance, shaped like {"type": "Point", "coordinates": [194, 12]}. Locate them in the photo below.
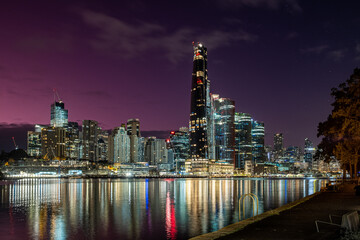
{"type": "Point", "coordinates": [136, 208]}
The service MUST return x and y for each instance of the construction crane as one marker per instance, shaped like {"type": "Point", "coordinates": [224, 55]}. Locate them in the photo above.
{"type": "Point", "coordinates": [16, 146]}
{"type": "Point", "coordinates": [56, 94]}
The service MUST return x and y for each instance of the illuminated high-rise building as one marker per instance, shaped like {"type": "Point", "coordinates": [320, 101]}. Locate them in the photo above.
{"type": "Point", "coordinates": [156, 151]}
{"type": "Point", "coordinates": [278, 145]}
{"type": "Point", "coordinates": [59, 115]}
{"type": "Point", "coordinates": [224, 114]}
{"type": "Point", "coordinates": [258, 142]}
{"type": "Point", "coordinates": [53, 143]}
{"type": "Point", "coordinates": [179, 142]}
{"type": "Point", "coordinates": [72, 141]}
{"type": "Point", "coordinates": [34, 143]}
{"type": "Point", "coordinates": [89, 139]}
{"type": "Point", "coordinates": [309, 152]}
{"type": "Point", "coordinates": [102, 145]}
{"type": "Point", "coordinates": [200, 109]}
{"type": "Point", "coordinates": [121, 145]}
{"type": "Point", "coordinates": [133, 130]}
{"type": "Point", "coordinates": [243, 140]}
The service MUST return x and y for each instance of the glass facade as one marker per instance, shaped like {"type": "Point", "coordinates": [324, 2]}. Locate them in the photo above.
{"type": "Point", "coordinates": [224, 116]}
{"type": "Point", "coordinates": [243, 140]}
{"type": "Point", "coordinates": [179, 142]}
{"type": "Point", "coordinates": [258, 141]}
{"type": "Point", "coordinates": [89, 139]}
{"type": "Point", "coordinates": [59, 115]}
{"type": "Point", "coordinates": [53, 140]}
{"type": "Point", "coordinates": [34, 144]}
{"type": "Point", "coordinates": [102, 145]}
{"type": "Point", "coordinates": [73, 141]}
{"type": "Point", "coordinates": [309, 152]}
{"type": "Point", "coordinates": [199, 108]}
{"type": "Point", "coordinates": [121, 145]}
{"type": "Point", "coordinates": [133, 130]}
{"type": "Point", "coordinates": [278, 145]}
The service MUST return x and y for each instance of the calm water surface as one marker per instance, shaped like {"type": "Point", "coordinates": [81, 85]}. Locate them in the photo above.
{"type": "Point", "coordinates": [136, 208]}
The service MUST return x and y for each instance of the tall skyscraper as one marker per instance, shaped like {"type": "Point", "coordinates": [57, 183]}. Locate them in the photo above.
{"type": "Point", "coordinates": [111, 145]}
{"type": "Point", "coordinates": [59, 115]}
{"type": "Point", "coordinates": [102, 145]}
{"type": "Point", "coordinates": [121, 145]}
{"type": "Point", "coordinates": [89, 141]}
{"type": "Point", "coordinates": [179, 142]}
{"type": "Point", "coordinates": [224, 116]}
{"type": "Point", "coordinates": [72, 141]}
{"type": "Point", "coordinates": [243, 140]}
{"type": "Point", "coordinates": [156, 151]}
{"type": "Point", "coordinates": [199, 105]}
{"type": "Point", "coordinates": [309, 152]}
{"type": "Point", "coordinates": [258, 142]}
{"type": "Point", "coordinates": [53, 143]}
{"type": "Point", "coordinates": [133, 130]}
{"type": "Point", "coordinates": [278, 145]}
{"type": "Point", "coordinates": [141, 149]}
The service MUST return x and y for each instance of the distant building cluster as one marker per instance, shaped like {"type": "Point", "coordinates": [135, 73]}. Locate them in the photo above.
{"type": "Point", "coordinates": [219, 140]}
{"type": "Point", "coordinates": [64, 140]}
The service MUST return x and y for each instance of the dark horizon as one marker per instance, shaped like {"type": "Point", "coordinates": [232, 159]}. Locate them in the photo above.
{"type": "Point", "coordinates": [277, 59]}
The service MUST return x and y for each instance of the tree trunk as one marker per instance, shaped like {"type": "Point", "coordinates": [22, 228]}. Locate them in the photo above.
{"type": "Point", "coordinates": [356, 169]}
{"type": "Point", "coordinates": [351, 171]}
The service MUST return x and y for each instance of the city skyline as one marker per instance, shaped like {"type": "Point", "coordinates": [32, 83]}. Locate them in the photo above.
{"type": "Point", "coordinates": [283, 80]}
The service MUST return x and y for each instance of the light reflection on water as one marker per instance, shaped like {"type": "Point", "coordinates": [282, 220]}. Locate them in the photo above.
{"type": "Point", "coordinates": [136, 208]}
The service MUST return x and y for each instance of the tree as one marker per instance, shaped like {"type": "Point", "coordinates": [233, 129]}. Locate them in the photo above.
{"type": "Point", "coordinates": [341, 130]}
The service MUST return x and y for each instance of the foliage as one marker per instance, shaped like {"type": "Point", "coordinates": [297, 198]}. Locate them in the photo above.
{"type": "Point", "coordinates": [341, 130]}
{"type": "Point", "coordinates": [348, 235]}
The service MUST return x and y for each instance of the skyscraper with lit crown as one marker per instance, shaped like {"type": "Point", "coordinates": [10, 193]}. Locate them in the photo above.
{"type": "Point", "coordinates": [59, 115]}
{"type": "Point", "coordinates": [199, 109]}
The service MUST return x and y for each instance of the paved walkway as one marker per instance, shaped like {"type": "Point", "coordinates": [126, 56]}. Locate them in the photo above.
{"type": "Point", "coordinates": [298, 222]}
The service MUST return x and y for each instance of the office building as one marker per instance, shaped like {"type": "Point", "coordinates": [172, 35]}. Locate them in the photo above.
{"type": "Point", "coordinates": [155, 151]}
{"type": "Point", "coordinates": [34, 144]}
{"type": "Point", "coordinates": [199, 108]}
{"type": "Point", "coordinates": [278, 146]}
{"type": "Point", "coordinates": [243, 140]}
{"type": "Point", "coordinates": [53, 143]}
{"type": "Point", "coordinates": [133, 130]}
{"type": "Point", "coordinates": [102, 145]}
{"type": "Point", "coordinates": [309, 152]}
{"type": "Point", "coordinates": [258, 142]}
{"type": "Point", "coordinates": [89, 139]}
{"type": "Point", "coordinates": [224, 117]}
{"type": "Point", "coordinates": [179, 142]}
{"type": "Point", "coordinates": [73, 141]}
{"type": "Point", "coordinates": [59, 115]}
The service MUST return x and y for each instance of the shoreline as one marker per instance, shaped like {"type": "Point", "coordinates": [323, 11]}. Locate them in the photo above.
{"type": "Point", "coordinates": [160, 177]}
{"type": "Point", "coordinates": [238, 226]}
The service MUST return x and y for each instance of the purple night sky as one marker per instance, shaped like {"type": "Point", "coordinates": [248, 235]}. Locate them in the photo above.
{"type": "Point", "coordinates": [115, 60]}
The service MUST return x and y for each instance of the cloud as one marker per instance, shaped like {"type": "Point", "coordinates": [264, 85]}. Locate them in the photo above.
{"type": "Point", "coordinates": [316, 50]}
{"type": "Point", "coordinates": [337, 55]}
{"type": "Point", "coordinates": [289, 5]}
{"type": "Point", "coordinates": [131, 40]}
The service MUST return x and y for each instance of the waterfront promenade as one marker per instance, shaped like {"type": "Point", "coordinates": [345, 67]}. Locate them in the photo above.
{"type": "Point", "coordinates": [295, 220]}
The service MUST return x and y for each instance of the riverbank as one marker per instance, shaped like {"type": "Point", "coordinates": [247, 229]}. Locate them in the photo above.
{"type": "Point", "coordinates": [295, 220]}
{"type": "Point", "coordinates": [102, 176]}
